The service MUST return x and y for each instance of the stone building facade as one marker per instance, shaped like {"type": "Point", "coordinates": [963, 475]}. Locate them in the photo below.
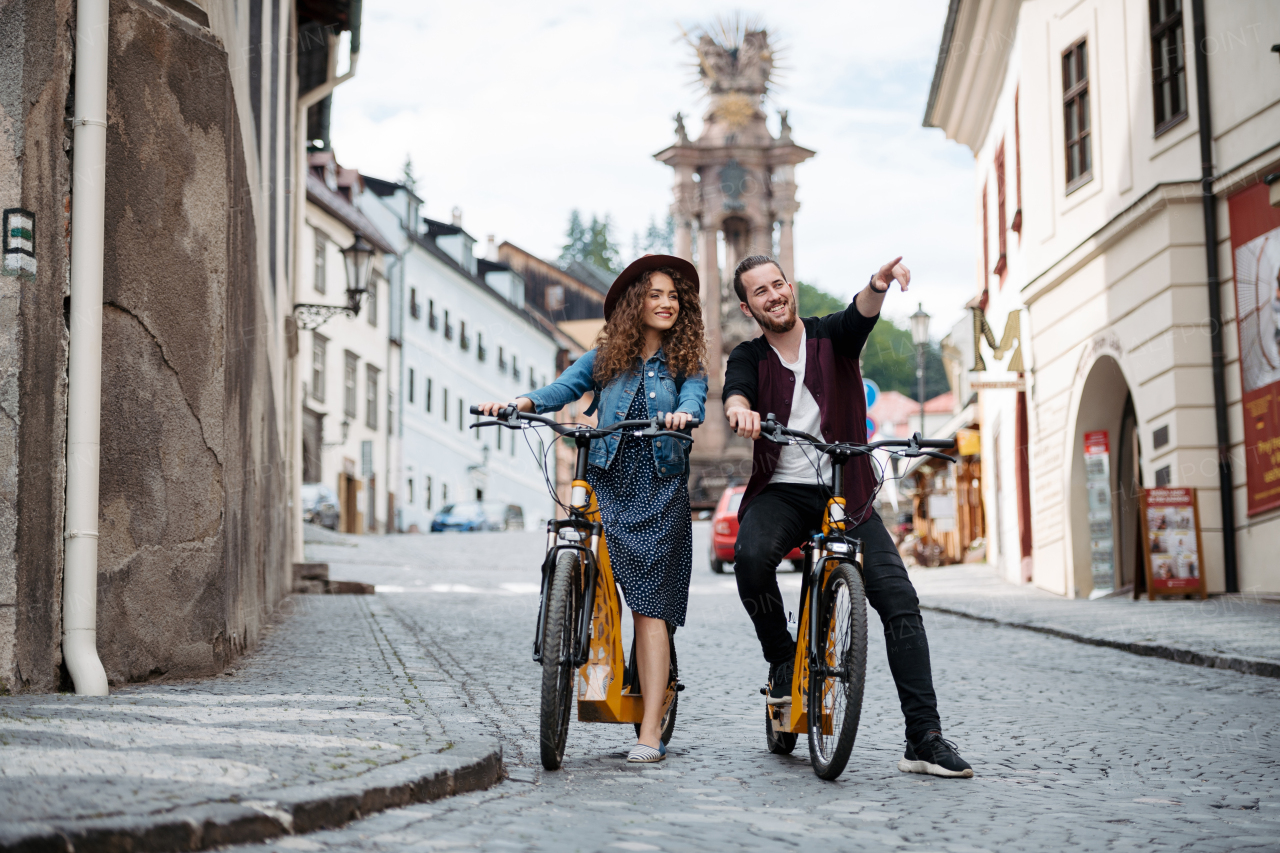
{"type": "Point", "coordinates": [193, 546]}
{"type": "Point", "coordinates": [1093, 280]}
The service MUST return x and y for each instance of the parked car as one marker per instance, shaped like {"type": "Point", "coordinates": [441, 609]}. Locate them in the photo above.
{"type": "Point", "coordinates": [724, 532]}
{"type": "Point", "coordinates": [478, 515]}
{"type": "Point", "coordinates": [320, 505]}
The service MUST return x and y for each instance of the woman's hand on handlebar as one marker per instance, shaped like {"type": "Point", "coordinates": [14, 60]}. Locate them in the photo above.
{"type": "Point", "coordinates": [677, 420]}
{"type": "Point", "coordinates": [523, 404]}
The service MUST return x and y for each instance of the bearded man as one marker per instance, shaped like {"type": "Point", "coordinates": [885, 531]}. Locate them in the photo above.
{"type": "Point", "coordinates": [806, 373]}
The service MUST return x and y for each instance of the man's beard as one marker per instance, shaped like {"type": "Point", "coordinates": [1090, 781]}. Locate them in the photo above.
{"type": "Point", "coordinates": [779, 327]}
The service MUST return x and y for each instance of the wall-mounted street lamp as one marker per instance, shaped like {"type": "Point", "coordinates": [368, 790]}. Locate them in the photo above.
{"type": "Point", "coordinates": [346, 429]}
{"type": "Point", "coordinates": [358, 261]}
{"type": "Point", "coordinates": [920, 337]}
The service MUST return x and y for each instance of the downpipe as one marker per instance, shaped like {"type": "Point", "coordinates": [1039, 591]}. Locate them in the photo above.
{"type": "Point", "coordinates": [84, 385]}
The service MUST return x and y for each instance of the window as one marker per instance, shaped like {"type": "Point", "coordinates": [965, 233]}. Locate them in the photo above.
{"type": "Point", "coordinates": [371, 302]}
{"type": "Point", "coordinates": [426, 394]}
{"type": "Point", "coordinates": [319, 348]}
{"type": "Point", "coordinates": [370, 396]}
{"type": "Point", "coordinates": [444, 493]}
{"type": "Point", "coordinates": [426, 490]}
{"type": "Point", "coordinates": [499, 432]}
{"type": "Point", "coordinates": [322, 246]}
{"type": "Point", "coordinates": [1002, 265]}
{"type": "Point", "coordinates": [349, 385]}
{"type": "Point", "coordinates": [444, 409]}
{"type": "Point", "coordinates": [366, 461]}
{"type": "Point", "coordinates": [431, 314]}
{"type": "Point", "coordinates": [409, 489]}
{"type": "Point", "coordinates": [480, 350]}
{"type": "Point", "coordinates": [475, 419]}
{"type": "Point", "coordinates": [391, 411]}
{"type": "Point", "coordinates": [1075, 109]}
{"type": "Point", "coordinates": [1164, 476]}
{"type": "Point", "coordinates": [409, 391]}
{"type": "Point", "coordinates": [415, 311]}
{"type": "Point", "coordinates": [1168, 64]}
{"type": "Point", "coordinates": [461, 423]}
{"type": "Point", "coordinates": [515, 368]}
{"type": "Point", "coordinates": [555, 297]}
{"type": "Point", "coordinates": [502, 360]}
{"type": "Point", "coordinates": [448, 327]}
{"type": "Point", "coordinates": [986, 242]}
{"type": "Point", "coordinates": [463, 340]}
{"type": "Point", "coordinates": [1016, 225]}
{"type": "Point", "coordinates": [533, 383]}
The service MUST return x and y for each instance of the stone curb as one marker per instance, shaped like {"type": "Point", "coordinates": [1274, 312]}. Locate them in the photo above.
{"type": "Point", "coordinates": [1236, 663]}
{"type": "Point", "coordinates": [283, 811]}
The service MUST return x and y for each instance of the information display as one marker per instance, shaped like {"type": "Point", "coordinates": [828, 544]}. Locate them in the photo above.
{"type": "Point", "coordinates": [1097, 480]}
{"type": "Point", "coordinates": [1171, 542]}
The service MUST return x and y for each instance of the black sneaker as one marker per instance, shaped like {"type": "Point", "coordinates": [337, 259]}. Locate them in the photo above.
{"type": "Point", "coordinates": [780, 682]}
{"type": "Point", "coordinates": [936, 756]}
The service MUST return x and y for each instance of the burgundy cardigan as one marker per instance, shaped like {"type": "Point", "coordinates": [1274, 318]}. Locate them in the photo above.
{"type": "Point", "coordinates": [832, 348]}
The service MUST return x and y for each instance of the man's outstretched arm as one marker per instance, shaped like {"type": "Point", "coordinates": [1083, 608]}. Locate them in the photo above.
{"type": "Point", "coordinates": [871, 298]}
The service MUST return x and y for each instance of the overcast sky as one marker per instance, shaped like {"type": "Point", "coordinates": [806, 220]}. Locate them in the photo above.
{"type": "Point", "coordinates": [520, 112]}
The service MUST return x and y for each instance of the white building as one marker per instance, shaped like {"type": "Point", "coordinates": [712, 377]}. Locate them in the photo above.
{"type": "Point", "coordinates": [1085, 118]}
{"type": "Point", "coordinates": [349, 366]}
{"type": "Point", "coordinates": [466, 340]}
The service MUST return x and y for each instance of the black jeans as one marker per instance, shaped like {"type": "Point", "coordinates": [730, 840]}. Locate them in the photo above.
{"type": "Point", "coordinates": [779, 519]}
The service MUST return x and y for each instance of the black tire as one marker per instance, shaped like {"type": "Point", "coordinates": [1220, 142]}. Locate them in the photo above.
{"type": "Point", "coordinates": [780, 743]}
{"type": "Point", "coordinates": [717, 566]}
{"type": "Point", "coordinates": [842, 637]}
{"type": "Point", "coordinates": [559, 640]}
{"type": "Point", "coordinates": [797, 565]}
{"type": "Point", "coordinates": [668, 719]}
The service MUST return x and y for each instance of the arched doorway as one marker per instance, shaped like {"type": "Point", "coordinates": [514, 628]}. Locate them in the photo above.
{"type": "Point", "coordinates": [1104, 483]}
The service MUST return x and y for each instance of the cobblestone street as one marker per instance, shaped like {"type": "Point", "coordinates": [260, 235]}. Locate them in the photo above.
{"type": "Point", "coordinates": [1074, 747]}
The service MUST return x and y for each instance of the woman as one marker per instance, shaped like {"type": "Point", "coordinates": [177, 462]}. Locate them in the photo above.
{"type": "Point", "coordinates": [648, 362]}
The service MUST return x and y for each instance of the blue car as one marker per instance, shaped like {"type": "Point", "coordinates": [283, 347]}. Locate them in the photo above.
{"type": "Point", "coordinates": [477, 515]}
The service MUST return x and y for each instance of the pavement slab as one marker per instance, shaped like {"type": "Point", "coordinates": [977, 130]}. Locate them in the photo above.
{"type": "Point", "coordinates": [1239, 632]}
{"type": "Point", "coordinates": [334, 716]}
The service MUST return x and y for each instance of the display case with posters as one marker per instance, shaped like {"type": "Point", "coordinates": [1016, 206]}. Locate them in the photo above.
{"type": "Point", "coordinates": [1255, 245]}
{"type": "Point", "coordinates": [1171, 541]}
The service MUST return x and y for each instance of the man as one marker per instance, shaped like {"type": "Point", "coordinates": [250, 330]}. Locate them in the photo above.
{"type": "Point", "coordinates": [806, 373]}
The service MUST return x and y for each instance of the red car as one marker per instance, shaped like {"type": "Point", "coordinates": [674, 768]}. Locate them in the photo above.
{"type": "Point", "coordinates": [724, 532]}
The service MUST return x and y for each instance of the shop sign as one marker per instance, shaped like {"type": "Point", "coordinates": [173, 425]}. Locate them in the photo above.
{"type": "Point", "coordinates": [968, 442]}
{"type": "Point", "coordinates": [1171, 542]}
{"type": "Point", "coordinates": [1097, 481]}
{"type": "Point", "coordinates": [1255, 246]}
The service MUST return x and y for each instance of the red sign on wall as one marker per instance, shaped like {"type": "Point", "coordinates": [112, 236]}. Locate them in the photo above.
{"type": "Point", "coordinates": [1255, 247]}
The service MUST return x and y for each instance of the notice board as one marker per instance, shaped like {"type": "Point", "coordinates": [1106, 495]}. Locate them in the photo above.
{"type": "Point", "coordinates": [1255, 253]}
{"type": "Point", "coordinates": [1171, 542]}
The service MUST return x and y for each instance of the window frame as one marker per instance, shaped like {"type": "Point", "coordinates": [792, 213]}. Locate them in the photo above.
{"type": "Point", "coordinates": [1159, 30]}
{"type": "Point", "coordinates": [320, 263]}
{"type": "Point", "coordinates": [372, 402]}
{"type": "Point", "coordinates": [350, 379]}
{"type": "Point", "coordinates": [1077, 95]}
{"type": "Point", "coordinates": [319, 365]}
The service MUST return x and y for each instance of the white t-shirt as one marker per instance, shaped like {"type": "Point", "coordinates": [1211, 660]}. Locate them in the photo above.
{"type": "Point", "coordinates": [796, 462]}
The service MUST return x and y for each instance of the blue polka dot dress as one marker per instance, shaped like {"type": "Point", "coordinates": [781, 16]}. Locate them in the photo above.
{"type": "Point", "coordinates": [647, 525]}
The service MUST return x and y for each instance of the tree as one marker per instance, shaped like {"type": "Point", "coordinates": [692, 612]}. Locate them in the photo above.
{"type": "Point", "coordinates": [592, 244]}
{"type": "Point", "coordinates": [408, 179]}
{"type": "Point", "coordinates": [575, 248]}
{"type": "Point", "coordinates": [889, 356]}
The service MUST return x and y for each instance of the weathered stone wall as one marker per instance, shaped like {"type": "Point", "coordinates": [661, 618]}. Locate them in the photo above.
{"type": "Point", "coordinates": [35, 174]}
{"type": "Point", "coordinates": [193, 517]}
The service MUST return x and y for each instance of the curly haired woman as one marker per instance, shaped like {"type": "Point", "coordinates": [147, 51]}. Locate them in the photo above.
{"type": "Point", "coordinates": [648, 362]}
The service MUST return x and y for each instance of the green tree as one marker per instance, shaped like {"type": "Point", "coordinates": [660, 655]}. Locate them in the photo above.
{"type": "Point", "coordinates": [575, 247]}
{"type": "Point", "coordinates": [592, 244]}
{"type": "Point", "coordinates": [889, 356]}
{"type": "Point", "coordinates": [408, 178]}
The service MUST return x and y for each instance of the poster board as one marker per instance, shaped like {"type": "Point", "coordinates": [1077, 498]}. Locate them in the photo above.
{"type": "Point", "coordinates": [1255, 254]}
{"type": "Point", "coordinates": [1097, 480]}
{"type": "Point", "coordinates": [1171, 542]}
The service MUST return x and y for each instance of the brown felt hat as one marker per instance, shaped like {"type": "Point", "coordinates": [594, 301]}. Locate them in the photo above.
{"type": "Point", "coordinates": [636, 270]}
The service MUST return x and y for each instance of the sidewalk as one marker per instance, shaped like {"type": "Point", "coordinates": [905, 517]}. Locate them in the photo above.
{"type": "Point", "coordinates": [1222, 632]}
{"type": "Point", "coordinates": [338, 714]}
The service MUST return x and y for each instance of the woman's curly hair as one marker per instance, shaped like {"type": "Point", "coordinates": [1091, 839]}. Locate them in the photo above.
{"type": "Point", "coordinates": [621, 342]}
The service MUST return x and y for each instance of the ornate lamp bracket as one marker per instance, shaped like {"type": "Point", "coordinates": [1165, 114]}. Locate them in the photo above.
{"type": "Point", "coordinates": [311, 317]}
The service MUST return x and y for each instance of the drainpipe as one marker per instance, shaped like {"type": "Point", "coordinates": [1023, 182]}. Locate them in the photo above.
{"type": "Point", "coordinates": [84, 386]}
{"type": "Point", "coordinates": [1226, 486]}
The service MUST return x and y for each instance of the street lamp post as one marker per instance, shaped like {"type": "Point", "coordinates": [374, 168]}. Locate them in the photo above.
{"type": "Point", "coordinates": [920, 337]}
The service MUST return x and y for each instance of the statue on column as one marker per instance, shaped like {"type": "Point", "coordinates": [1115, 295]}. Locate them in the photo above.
{"type": "Point", "coordinates": [736, 180]}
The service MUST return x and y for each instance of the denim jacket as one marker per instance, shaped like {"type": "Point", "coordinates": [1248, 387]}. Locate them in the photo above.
{"type": "Point", "coordinates": [664, 393]}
